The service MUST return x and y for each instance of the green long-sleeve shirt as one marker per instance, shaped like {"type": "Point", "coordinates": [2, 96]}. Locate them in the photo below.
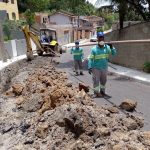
{"type": "Point", "coordinates": [77, 53]}
{"type": "Point", "coordinates": [99, 57]}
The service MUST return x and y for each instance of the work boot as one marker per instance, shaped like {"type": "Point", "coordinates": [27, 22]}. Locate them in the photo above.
{"type": "Point", "coordinates": [97, 95]}
{"type": "Point", "coordinates": [81, 73]}
{"type": "Point", "coordinates": [104, 94]}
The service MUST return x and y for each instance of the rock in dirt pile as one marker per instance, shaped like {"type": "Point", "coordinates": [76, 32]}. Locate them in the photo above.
{"type": "Point", "coordinates": [42, 110]}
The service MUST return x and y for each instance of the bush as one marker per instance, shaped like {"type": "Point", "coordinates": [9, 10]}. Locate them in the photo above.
{"type": "Point", "coordinates": [146, 67]}
{"type": "Point", "coordinates": [7, 29]}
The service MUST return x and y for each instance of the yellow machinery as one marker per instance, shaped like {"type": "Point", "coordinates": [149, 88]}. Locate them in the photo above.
{"type": "Point", "coordinates": [50, 46]}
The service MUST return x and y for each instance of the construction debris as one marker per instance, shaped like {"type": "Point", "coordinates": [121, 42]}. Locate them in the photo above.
{"type": "Point", "coordinates": [128, 105]}
{"type": "Point", "coordinates": [84, 87]}
{"type": "Point", "coordinates": [47, 112]}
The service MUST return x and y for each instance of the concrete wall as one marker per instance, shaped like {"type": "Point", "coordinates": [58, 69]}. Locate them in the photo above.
{"type": "Point", "coordinates": [131, 55]}
{"type": "Point", "coordinates": [21, 47]}
{"type": "Point", "coordinates": [16, 48]}
{"type": "Point", "coordinates": [8, 48]}
{"type": "Point", "coordinates": [60, 19]}
{"type": "Point", "coordinates": [17, 34]}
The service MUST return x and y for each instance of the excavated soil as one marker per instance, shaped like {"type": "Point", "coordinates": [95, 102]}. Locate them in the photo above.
{"type": "Point", "coordinates": [41, 110]}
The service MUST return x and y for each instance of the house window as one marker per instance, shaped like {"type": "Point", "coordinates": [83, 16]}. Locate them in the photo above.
{"type": "Point", "coordinates": [12, 1]}
{"type": "Point", "coordinates": [44, 20]}
{"type": "Point", "coordinates": [14, 16]}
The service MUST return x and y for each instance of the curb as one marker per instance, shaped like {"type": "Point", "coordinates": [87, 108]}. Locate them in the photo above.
{"type": "Point", "coordinates": [130, 78]}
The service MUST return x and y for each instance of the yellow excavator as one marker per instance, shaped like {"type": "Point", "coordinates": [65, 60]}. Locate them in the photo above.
{"type": "Point", "coordinates": [46, 42]}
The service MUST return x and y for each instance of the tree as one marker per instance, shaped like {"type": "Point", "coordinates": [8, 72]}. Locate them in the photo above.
{"type": "Point", "coordinates": [78, 7]}
{"type": "Point", "coordinates": [33, 5]}
{"type": "Point", "coordinates": [141, 7]}
{"type": "Point", "coordinates": [7, 26]}
{"type": "Point", "coordinates": [29, 17]}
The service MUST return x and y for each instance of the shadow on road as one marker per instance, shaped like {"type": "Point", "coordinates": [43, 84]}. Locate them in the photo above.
{"type": "Point", "coordinates": [70, 64]}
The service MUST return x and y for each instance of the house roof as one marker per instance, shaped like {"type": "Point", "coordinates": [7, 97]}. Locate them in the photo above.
{"type": "Point", "coordinates": [63, 13]}
{"type": "Point", "coordinates": [41, 13]}
{"type": "Point", "coordinates": [93, 16]}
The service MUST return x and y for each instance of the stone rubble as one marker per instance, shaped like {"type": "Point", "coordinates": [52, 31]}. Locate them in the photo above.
{"type": "Point", "coordinates": [128, 105]}
{"type": "Point", "coordinates": [42, 110]}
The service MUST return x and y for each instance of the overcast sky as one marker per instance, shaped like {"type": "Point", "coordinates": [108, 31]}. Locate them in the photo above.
{"type": "Point", "coordinates": [102, 4]}
{"type": "Point", "coordinates": [92, 1]}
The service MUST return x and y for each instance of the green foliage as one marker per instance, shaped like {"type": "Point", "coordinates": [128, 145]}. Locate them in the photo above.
{"type": "Point", "coordinates": [132, 15]}
{"type": "Point", "coordinates": [20, 23]}
{"type": "Point", "coordinates": [7, 26]}
{"type": "Point", "coordinates": [11, 25]}
{"type": "Point", "coordinates": [33, 5]}
{"type": "Point", "coordinates": [109, 16]}
{"type": "Point", "coordinates": [99, 29]}
{"type": "Point", "coordinates": [134, 9]}
{"type": "Point", "coordinates": [29, 17]}
{"type": "Point", "coordinates": [146, 67]}
{"type": "Point", "coordinates": [78, 7]}
{"type": "Point", "coordinates": [106, 27]}
{"type": "Point", "coordinates": [6, 38]}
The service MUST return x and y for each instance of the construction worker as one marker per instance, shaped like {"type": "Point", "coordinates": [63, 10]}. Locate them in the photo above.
{"type": "Point", "coordinates": [78, 56]}
{"type": "Point", "coordinates": [98, 64]}
{"type": "Point", "coordinates": [44, 38]}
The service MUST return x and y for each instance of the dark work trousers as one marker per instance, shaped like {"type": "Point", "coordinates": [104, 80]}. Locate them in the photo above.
{"type": "Point", "coordinates": [99, 80]}
{"type": "Point", "coordinates": [78, 65]}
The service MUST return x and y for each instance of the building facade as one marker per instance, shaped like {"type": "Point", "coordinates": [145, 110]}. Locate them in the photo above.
{"type": "Point", "coordinates": [69, 27]}
{"type": "Point", "coordinates": [11, 9]}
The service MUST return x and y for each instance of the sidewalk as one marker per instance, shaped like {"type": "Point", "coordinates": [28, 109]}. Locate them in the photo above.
{"type": "Point", "coordinates": [9, 61]}
{"type": "Point", "coordinates": [72, 44]}
{"type": "Point", "coordinates": [131, 73]}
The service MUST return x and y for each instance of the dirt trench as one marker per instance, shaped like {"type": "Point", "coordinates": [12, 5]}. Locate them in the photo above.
{"type": "Point", "coordinates": [41, 110]}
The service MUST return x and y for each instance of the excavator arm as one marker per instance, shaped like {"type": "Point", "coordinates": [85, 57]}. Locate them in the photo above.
{"type": "Point", "coordinates": [28, 36]}
{"type": "Point", "coordinates": [41, 47]}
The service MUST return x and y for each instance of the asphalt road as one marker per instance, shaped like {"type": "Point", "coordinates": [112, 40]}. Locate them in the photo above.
{"type": "Point", "coordinates": [120, 88]}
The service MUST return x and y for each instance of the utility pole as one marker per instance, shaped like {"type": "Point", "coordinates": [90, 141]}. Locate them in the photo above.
{"type": "Point", "coordinates": [3, 56]}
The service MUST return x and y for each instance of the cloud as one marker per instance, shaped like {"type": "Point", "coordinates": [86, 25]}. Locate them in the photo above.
{"type": "Point", "coordinates": [100, 3]}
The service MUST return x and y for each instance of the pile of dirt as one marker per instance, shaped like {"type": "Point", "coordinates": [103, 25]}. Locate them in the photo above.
{"type": "Point", "coordinates": [43, 110]}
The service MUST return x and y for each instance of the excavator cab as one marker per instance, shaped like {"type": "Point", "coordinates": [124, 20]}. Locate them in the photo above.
{"type": "Point", "coordinates": [46, 42]}
{"type": "Point", "coordinates": [48, 38]}
{"type": "Point", "coordinates": [48, 34]}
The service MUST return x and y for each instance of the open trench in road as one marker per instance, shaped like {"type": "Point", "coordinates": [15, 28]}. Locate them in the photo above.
{"type": "Point", "coordinates": [41, 109]}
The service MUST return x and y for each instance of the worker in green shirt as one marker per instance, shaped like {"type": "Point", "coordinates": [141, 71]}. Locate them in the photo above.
{"type": "Point", "coordinates": [78, 57]}
{"type": "Point", "coordinates": [98, 64]}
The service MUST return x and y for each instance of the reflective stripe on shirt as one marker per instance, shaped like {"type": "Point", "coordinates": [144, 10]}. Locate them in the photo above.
{"type": "Point", "coordinates": [78, 53]}
{"type": "Point", "coordinates": [101, 56]}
